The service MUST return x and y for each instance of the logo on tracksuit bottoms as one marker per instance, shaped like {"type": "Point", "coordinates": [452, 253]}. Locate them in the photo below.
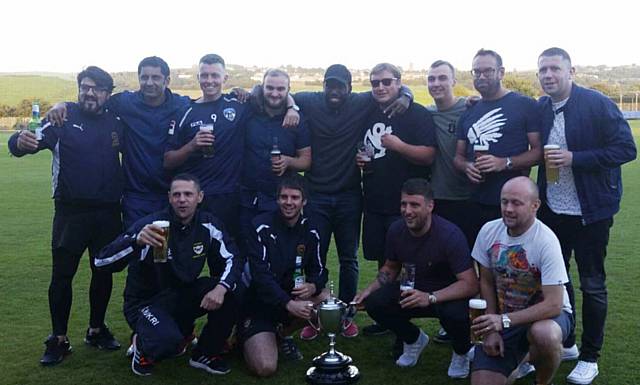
{"type": "Point", "coordinates": [146, 313]}
{"type": "Point", "coordinates": [229, 113]}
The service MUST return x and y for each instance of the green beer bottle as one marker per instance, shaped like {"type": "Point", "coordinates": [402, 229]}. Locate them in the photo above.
{"type": "Point", "coordinates": [34, 122]}
{"type": "Point", "coordinates": [298, 273]}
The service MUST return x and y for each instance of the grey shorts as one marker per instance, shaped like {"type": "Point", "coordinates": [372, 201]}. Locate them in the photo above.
{"type": "Point", "coordinates": [516, 346]}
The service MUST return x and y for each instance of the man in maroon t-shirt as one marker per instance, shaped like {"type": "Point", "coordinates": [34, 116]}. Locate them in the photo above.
{"type": "Point", "coordinates": [444, 279]}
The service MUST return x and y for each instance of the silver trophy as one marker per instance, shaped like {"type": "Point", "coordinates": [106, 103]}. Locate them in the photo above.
{"type": "Point", "coordinates": [332, 367]}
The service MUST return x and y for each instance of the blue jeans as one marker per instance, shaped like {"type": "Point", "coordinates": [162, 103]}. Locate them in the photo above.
{"type": "Point", "coordinates": [340, 214]}
{"type": "Point", "coordinates": [589, 245]}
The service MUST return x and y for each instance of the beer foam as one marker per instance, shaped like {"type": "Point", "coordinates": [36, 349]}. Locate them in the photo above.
{"type": "Point", "coordinates": [162, 224]}
{"type": "Point", "coordinates": [477, 303]}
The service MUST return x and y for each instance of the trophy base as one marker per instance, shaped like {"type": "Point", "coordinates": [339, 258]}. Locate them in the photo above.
{"type": "Point", "coordinates": [345, 375]}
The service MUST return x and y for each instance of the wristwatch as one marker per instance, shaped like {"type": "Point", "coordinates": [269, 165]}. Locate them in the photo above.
{"type": "Point", "coordinates": [432, 298]}
{"type": "Point", "coordinates": [506, 321]}
{"type": "Point", "coordinates": [294, 107]}
{"type": "Point", "coordinates": [509, 165]}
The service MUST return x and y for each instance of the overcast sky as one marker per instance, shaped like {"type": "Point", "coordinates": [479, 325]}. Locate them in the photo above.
{"type": "Point", "coordinates": [66, 35]}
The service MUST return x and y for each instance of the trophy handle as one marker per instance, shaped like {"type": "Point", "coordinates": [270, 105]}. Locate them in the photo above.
{"type": "Point", "coordinates": [314, 316]}
{"type": "Point", "coordinates": [350, 311]}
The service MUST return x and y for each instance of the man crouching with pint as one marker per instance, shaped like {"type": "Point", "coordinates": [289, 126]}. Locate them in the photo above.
{"type": "Point", "coordinates": [522, 278]}
{"type": "Point", "coordinates": [288, 278]}
{"type": "Point", "coordinates": [165, 292]}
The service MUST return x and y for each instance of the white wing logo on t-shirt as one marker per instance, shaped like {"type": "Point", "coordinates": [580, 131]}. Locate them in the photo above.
{"type": "Point", "coordinates": [374, 137]}
{"type": "Point", "coordinates": [487, 128]}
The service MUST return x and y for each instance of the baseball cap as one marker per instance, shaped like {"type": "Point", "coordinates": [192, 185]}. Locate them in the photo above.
{"type": "Point", "coordinates": [339, 73]}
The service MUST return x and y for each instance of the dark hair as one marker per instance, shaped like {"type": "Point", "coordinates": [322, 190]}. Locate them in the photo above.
{"type": "Point", "coordinates": [395, 71]}
{"type": "Point", "coordinates": [555, 51]}
{"type": "Point", "coordinates": [212, 58]}
{"type": "Point", "coordinates": [418, 186]}
{"type": "Point", "coordinates": [98, 75]}
{"type": "Point", "coordinates": [485, 52]}
{"type": "Point", "coordinates": [154, 61]}
{"type": "Point", "coordinates": [439, 63]}
{"type": "Point", "coordinates": [295, 182]}
{"type": "Point", "coordinates": [187, 178]}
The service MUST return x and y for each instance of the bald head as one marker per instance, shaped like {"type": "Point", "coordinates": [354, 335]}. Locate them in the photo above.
{"type": "Point", "coordinates": [523, 186]}
{"type": "Point", "coordinates": [519, 203]}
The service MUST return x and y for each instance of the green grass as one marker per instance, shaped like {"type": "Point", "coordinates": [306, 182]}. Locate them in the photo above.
{"type": "Point", "coordinates": [25, 265]}
{"type": "Point", "coordinates": [16, 88]}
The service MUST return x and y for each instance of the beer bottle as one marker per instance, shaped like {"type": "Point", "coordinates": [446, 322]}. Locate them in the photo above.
{"type": "Point", "coordinates": [298, 273]}
{"type": "Point", "coordinates": [275, 150]}
{"type": "Point", "coordinates": [34, 122]}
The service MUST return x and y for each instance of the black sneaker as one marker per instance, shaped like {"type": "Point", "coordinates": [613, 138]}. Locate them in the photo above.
{"type": "Point", "coordinates": [140, 365]}
{"type": "Point", "coordinates": [55, 351]}
{"type": "Point", "coordinates": [189, 341]}
{"type": "Point", "coordinates": [102, 340]}
{"type": "Point", "coordinates": [289, 351]}
{"type": "Point", "coordinates": [442, 337]}
{"type": "Point", "coordinates": [374, 330]}
{"type": "Point", "coordinates": [213, 364]}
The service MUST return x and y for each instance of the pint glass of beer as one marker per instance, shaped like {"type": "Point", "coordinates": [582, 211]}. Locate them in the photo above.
{"type": "Point", "coordinates": [553, 173]}
{"type": "Point", "coordinates": [407, 276]}
{"type": "Point", "coordinates": [160, 254]}
{"type": "Point", "coordinates": [477, 307]}
{"type": "Point", "coordinates": [207, 151]}
{"type": "Point", "coordinates": [479, 150]}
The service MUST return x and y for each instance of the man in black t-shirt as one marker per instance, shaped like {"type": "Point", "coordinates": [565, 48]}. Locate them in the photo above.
{"type": "Point", "coordinates": [400, 148]}
{"type": "Point", "coordinates": [444, 279]}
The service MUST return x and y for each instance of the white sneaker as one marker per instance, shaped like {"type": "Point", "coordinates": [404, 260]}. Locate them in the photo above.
{"type": "Point", "coordinates": [459, 366]}
{"type": "Point", "coordinates": [411, 352]}
{"type": "Point", "coordinates": [523, 370]}
{"type": "Point", "coordinates": [570, 354]}
{"type": "Point", "coordinates": [584, 373]}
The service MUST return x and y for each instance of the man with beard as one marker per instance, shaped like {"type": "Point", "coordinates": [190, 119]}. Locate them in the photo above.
{"type": "Point", "coordinates": [87, 187]}
{"type": "Point", "coordinates": [150, 116]}
{"type": "Point", "coordinates": [593, 141]}
{"type": "Point", "coordinates": [336, 117]}
{"type": "Point", "coordinates": [271, 151]}
{"type": "Point", "coordinates": [498, 138]}
{"type": "Point", "coordinates": [444, 279]}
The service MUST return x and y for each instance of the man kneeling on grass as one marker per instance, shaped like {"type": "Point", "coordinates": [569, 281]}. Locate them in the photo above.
{"type": "Point", "coordinates": [522, 278]}
{"type": "Point", "coordinates": [444, 279]}
{"type": "Point", "coordinates": [288, 278]}
{"type": "Point", "coordinates": [165, 293]}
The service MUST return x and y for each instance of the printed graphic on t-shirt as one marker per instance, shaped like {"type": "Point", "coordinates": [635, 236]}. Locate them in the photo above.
{"type": "Point", "coordinates": [373, 136]}
{"type": "Point", "coordinates": [518, 283]}
{"type": "Point", "coordinates": [488, 128]}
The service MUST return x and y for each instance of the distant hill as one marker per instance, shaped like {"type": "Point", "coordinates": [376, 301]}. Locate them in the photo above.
{"type": "Point", "coordinates": [15, 88]}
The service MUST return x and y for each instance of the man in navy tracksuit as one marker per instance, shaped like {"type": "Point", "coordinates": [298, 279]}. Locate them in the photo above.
{"type": "Point", "coordinates": [162, 300]}
{"type": "Point", "coordinates": [87, 186]}
{"type": "Point", "coordinates": [594, 140]}
{"type": "Point", "coordinates": [284, 242]}
{"type": "Point", "coordinates": [150, 115]}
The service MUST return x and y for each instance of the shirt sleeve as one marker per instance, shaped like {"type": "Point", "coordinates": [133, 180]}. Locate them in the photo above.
{"type": "Point", "coordinates": [315, 271]}
{"type": "Point", "coordinates": [480, 250]}
{"type": "Point", "coordinates": [459, 256]}
{"type": "Point", "coordinates": [552, 269]}
{"type": "Point", "coordinates": [224, 249]}
{"type": "Point", "coordinates": [426, 130]}
{"type": "Point", "coordinates": [181, 134]}
{"type": "Point", "coordinates": [532, 117]}
{"type": "Point", "coordinates": [303, 137]}
{"type": "Point", "coordinates": [389, 246]}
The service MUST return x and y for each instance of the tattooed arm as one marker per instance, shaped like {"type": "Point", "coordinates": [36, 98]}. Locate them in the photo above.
{"type": "Point", "coordinates": [387, 274]}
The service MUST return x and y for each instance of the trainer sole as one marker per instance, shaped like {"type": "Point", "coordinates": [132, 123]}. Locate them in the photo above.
{"type": "Point", "coordinates": [199, 365]}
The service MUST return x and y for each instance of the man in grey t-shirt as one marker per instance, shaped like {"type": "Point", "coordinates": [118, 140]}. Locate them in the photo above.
{"type": "Point", "coordinates": [451, 188]}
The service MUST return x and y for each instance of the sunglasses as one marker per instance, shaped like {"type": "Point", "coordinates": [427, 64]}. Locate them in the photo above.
{"type": "Point", "coordinates": [385, 82]}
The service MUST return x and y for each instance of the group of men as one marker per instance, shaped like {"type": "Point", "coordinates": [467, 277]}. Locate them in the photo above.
{"type": "Point", "coordinates": [436, 187]}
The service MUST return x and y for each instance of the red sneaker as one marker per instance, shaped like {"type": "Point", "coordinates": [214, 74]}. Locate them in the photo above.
{"type": "Point", "coordinates": [308, 333]}
{"type": "Point", "coordinates": [349, 329]}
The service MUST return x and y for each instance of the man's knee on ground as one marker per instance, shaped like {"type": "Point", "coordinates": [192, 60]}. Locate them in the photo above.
{"type": "Point", "coordinates": [264, 368]}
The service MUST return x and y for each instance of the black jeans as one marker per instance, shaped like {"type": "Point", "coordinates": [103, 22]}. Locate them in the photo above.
{"type": "Point", "coordinates": [589, 245]}
{"type": "Point", "coordinates": [382, 305]}
{"type": "Point", "coordinates": [340, 213]}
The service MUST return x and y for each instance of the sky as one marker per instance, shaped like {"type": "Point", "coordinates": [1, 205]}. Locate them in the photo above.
{"type": "Point", "coordinates": [68, 35]}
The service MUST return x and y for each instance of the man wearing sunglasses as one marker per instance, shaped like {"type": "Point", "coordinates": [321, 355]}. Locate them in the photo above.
{"type": "Point", "coordinates": [336, 117]}
{"type": "Point", "coordinates": [87, 186]}
{"type": "Point", "coordinates": [503, 129]}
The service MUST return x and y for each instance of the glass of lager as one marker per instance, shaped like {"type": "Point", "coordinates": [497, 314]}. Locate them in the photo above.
{"type": "Point", "coordinates": [478, 151]}
{"type": "Point", "coordinates": [160, 254]}
{"type": "Point", "coordinates": [407, 276]}
{"type": "Point", "coordinates": [553, 173]}
{"type": "Point", "coordinates": [207, 151]}
{"type": "Point", "coordinates": [477, 307]}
